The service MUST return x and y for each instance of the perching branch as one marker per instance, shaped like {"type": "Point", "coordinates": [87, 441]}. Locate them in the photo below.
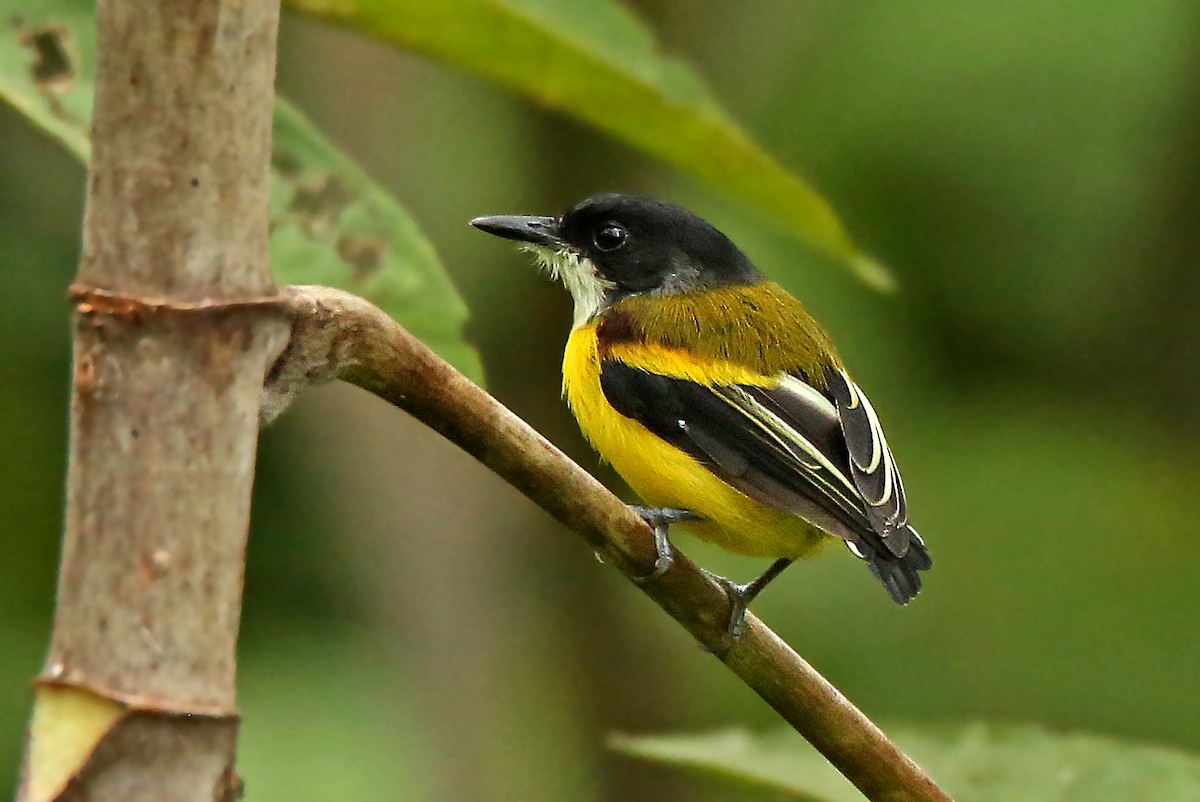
{"type": "Point", "coordinates": [339, 335]}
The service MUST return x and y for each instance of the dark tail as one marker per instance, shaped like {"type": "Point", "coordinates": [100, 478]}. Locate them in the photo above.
{"type": "Point", "coordinates": [899, 574]}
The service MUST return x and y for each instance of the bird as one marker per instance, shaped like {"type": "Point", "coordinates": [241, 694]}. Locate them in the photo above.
{"type": "Point", "coordinates": [716, 396]}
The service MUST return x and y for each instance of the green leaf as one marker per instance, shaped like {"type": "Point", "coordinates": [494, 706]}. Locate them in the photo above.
{"type": "Point", "coordinates": [973, 763]}
{"type": "Point", "coordinates": [330, 224]}
{"type": "Point", "coordinates": [598, 62]}
{"type": "Point", "coordinates": [48, 66]}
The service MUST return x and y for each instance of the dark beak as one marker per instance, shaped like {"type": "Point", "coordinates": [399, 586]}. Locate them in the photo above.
{"type": "Point", "coordinates": [536, 230]}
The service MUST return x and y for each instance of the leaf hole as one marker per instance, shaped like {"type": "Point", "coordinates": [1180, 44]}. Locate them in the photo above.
{"type": "Point", "coordinates": [364, 254]}
{"type": "Point", "coordinates": [52, 70]}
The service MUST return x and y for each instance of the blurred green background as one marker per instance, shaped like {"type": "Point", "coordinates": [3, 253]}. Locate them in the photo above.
{"type": "Point", "coordinates": [414, 628]}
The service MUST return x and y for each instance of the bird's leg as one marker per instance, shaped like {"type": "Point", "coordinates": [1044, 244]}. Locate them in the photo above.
{"type": "Point", "coordinates": [750, 590]}
{"type": "Point", "coordinates": [740, 596]}
{"type": "Point", "coordinates": [660, 519]}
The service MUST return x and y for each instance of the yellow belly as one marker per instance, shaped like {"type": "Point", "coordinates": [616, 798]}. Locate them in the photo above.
{"type": "Point", "coordinates": [665, 476]}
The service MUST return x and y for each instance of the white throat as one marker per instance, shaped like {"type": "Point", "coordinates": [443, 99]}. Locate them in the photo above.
{"type": "Point", "coordinates": [578, 276]}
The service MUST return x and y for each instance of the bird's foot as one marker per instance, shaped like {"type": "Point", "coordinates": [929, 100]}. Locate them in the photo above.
{"type": "Point", "coordinates": [739, 605]}
{"type": "Point", "coordinates": [740, 597]}
{"type": "Point", "coordinates": [660, 520]}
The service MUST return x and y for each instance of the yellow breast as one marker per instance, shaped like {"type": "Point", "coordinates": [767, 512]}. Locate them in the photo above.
{"type": "Point", "coordinates": [665, 476]}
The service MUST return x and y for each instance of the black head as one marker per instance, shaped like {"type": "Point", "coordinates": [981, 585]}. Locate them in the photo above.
{"type": "Point", "coordinates": [634, 245]}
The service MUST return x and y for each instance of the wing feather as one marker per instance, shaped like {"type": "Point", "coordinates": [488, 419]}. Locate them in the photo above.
{"type": "Point", "coordinates": [872, 465]}
{"type": "Point", "coordinates": [791, 447]}
{"type": "Point", "coordinates": [757, 451]}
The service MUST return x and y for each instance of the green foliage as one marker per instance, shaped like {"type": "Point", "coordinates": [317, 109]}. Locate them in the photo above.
{"type": "Point", "coordinates": [598, 62]}
{"type": "Point", "coordinates": [48, 66]}
{"type": "Point", "coordinates": [1026, 167]}
{"type": "Point", "coordinates": [973, 763]}
{"type": "Point", "coordinates": [330, 223]}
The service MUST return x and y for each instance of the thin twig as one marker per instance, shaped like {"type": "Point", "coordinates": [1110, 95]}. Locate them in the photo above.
{"type": "Point", "coordinates": [339, 335]}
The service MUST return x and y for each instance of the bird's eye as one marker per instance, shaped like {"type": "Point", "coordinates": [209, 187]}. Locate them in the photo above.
{"type": "Point", "coordinates": [610, 236]}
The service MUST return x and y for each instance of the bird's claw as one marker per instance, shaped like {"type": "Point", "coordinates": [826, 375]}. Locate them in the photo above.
{"type": "Point", "coordinates": [660, 519]}
{"type": "Point", "coordinates": [740, 597]}
{"type": "Point", "coordinates": [740, 605]}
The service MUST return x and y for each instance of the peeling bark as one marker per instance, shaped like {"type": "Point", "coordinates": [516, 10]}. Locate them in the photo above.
{"type": "Point", "coordinates": [176, 322]}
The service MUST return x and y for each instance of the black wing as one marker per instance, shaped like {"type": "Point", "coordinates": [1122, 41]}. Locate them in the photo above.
{"type": "Point", "coordinates": [871, 463]}
{"type": "Point", "coordinates": [789, 447]}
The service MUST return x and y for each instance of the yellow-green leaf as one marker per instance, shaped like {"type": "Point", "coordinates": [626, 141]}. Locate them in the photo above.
{"type": "Point", "coordinates": [973, 763]}
{"type": "Point", "coordinates": [596, 61]}
{"type": "Point", "coordinates": [330, 224]}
